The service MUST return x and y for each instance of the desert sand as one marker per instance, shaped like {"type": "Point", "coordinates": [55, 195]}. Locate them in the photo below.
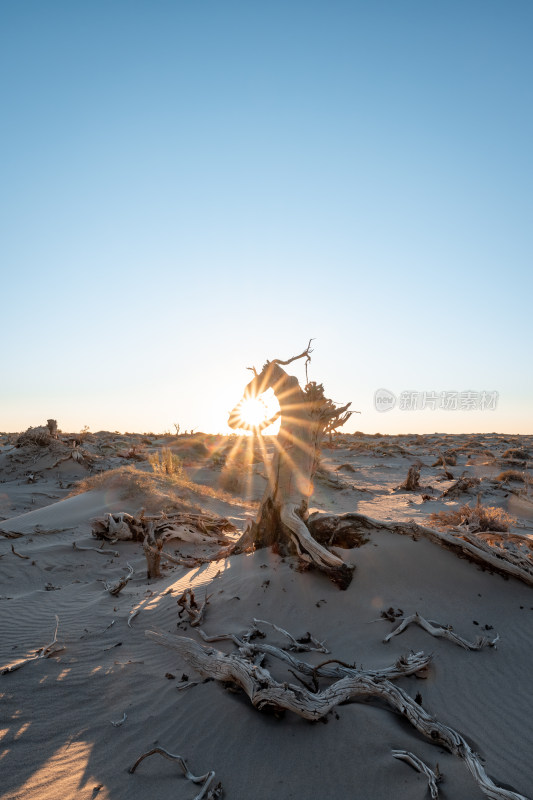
{"type": "Point", "coordinates": [76, 717]}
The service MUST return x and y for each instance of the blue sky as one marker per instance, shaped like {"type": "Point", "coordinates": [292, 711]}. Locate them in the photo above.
{"type": "Point", "coordinates": [191, 188]}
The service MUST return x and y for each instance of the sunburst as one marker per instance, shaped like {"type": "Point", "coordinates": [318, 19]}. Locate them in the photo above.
{"type": "Point", "coordinates": [256, 413]}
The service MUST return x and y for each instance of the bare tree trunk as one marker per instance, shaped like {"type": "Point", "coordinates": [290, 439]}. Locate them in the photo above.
{"type": "Point", "coordinates": [411, 483]}
{"type": "Point", "coordinates": [51, 424]}
{"type": "Point", "coordinates": [306, 415]}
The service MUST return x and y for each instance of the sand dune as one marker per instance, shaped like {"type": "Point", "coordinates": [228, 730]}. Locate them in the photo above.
{"type": "Point", "coordinates": [57, 736]}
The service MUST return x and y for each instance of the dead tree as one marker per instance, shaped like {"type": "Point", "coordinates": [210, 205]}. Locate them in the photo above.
{"type": "Point", "coordinates": [306, 417]}
{"type": "Point", "coordinates": [51, 424]}
{"type": "Point", "coordinates": [412, 482]}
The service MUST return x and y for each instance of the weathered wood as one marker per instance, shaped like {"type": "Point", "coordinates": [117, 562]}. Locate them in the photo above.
{"type": "Point", "coordinates": [154, 531]}
{"type": "Point", "coordinates": [115, 589]}
{"type": "Point", "coordinates": [208, 792]}
{"type": "Point", "coordinates": [152, 552]}
{"type": "Point", "coordinates": [433, 777]}
{"type": "Point", "coordinates": [43, 652]}
{"type": "Point", "coordinates": [468, 544]}
{"type": "Point", "coordinates": [412, 664]}
{"type": "Point", "coordinates": [264, 692]}
{"type": "Point", "coordinates": [194, 611]}
{"type": "Point", "coordinates": [412, 482]}
{"type": "Point", "coordinates": [440, 631]}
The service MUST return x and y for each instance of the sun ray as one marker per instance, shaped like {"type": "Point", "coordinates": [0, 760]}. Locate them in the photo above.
{"type": "Point", "coordinates": [267, 462]}
{"type": "Point", "coordinates": [299, 475]}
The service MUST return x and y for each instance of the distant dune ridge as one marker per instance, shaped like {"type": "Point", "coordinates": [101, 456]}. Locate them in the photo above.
{"type": "Point", "coordinates": [85, 696]}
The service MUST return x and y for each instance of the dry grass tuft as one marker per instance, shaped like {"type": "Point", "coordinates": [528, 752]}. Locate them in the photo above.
{"type": "Point", "coordinates": [153, 491]}
{"type": "Point", "coordinates": [519, 455]}
{"type": "Point", "coordinates": [514, 475]}
{"type": "Point", "coordinates": [477, 518]}
{"type": "Point", "coordinates": [165, 462]}
{"type": "Point", "coordinates": [156, 491]}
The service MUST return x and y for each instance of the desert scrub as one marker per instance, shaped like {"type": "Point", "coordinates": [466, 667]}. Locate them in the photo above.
{"type": "Point", "coordinates": [38, 436]}
{"type": "Point", "coordinates": [155, 491]}
{"type": "Point", "coordinates": [514, 475]}
{"type": "Point", "coordinates": [515, 453]}
{"type": "Point", "coordinates": [477, 518]}
{"type": "Point", "coordinates": [165, 462]}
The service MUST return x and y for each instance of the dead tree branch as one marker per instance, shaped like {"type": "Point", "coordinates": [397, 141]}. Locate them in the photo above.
{"type": "Point", "coordinates": [17, 554]}
{"type": "Point", "coordinates": [206, 780]}
{"type": "Point", "coordinates": [474, 547]}
{"type": "Point", "coordinates": [412, 664]}
{"type": "Point", "coordinates": [306, 354]}
{"type": "Point", "coordinates": [188, 604]}
{"type": "Point", "coordinates": [264, 692]}
{"type": "Point", "coordinates": [43, 652]}
{"type": "Point", "coordinates": [433, 777]}
{"type": "Point", "coordinates": [99, 550]}
{"type": "Point", "coordinates": [118, 587]}
{"type": "Point", "coordinates": [444, 632]}
{"type": "Point", "coordinates": [298, 645]}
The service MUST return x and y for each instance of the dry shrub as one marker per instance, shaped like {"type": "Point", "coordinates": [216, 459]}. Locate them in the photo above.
{"type": "Point", "coordinates": [519, 455]}
{"type": "Point", "coordinates": [478, 518]}
{"type": "Point", "coordinates": [191, 448]}
{"type": "Point", "coordinates": [514, 475]}
{"type": "Point", "coordinates": [165, 462]}
{"type": "Point", "coordinates": [155, 491]}
{"type": "Point", "coordinates": [39, 436]}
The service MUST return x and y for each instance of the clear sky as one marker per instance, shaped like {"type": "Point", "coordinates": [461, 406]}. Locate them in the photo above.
{"type": "Point", "coordinates": [190, 188]}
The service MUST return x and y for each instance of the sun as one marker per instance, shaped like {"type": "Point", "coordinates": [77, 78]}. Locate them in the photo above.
{"type": "Point", "coordinates": [254, 412]}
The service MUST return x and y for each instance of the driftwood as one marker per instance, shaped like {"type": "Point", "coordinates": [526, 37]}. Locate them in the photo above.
{"type": "Point", "coordinates": [468, 544]}
{"type": "Point", "coordinates": [18, 554]}
{"type": "Point", "coordinates": [208, 792]}
{"type": "Point", "coordinates": [444, 460]}
{"type": "Point", "coordinates": [433, 777]}
{"type": "Point", "coordinates": [194, 611]}
{"type": "Point", "coordinates": [461, 486]}
{"type": "Point", "coordinates": [306, 417]}
{"type": "Point", "coordinates": [132, 616]}
{"type": "Point", "coordinates": [412, 482]}
{"type": "Point", "coordinates": [154, 531]}
{"type": "Point", "coordinates": [115, 589]}
{"type": "Point", "coordinates": [412, 664]}
{"type": "Point", "coordinates": [266, 693]}
{"type": "Point", "coordinates": [305, 643]}
{"type": "Point", "coordinates": [448, 458]}
{"type": "Point", "coordinates": [152, 552]}
{"type": "Point", "coordinates": [444, 632]}
{"type": "Point", "coordinates": [43, 652]}
{"type": "Point", "coordinates": [99, 550]}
